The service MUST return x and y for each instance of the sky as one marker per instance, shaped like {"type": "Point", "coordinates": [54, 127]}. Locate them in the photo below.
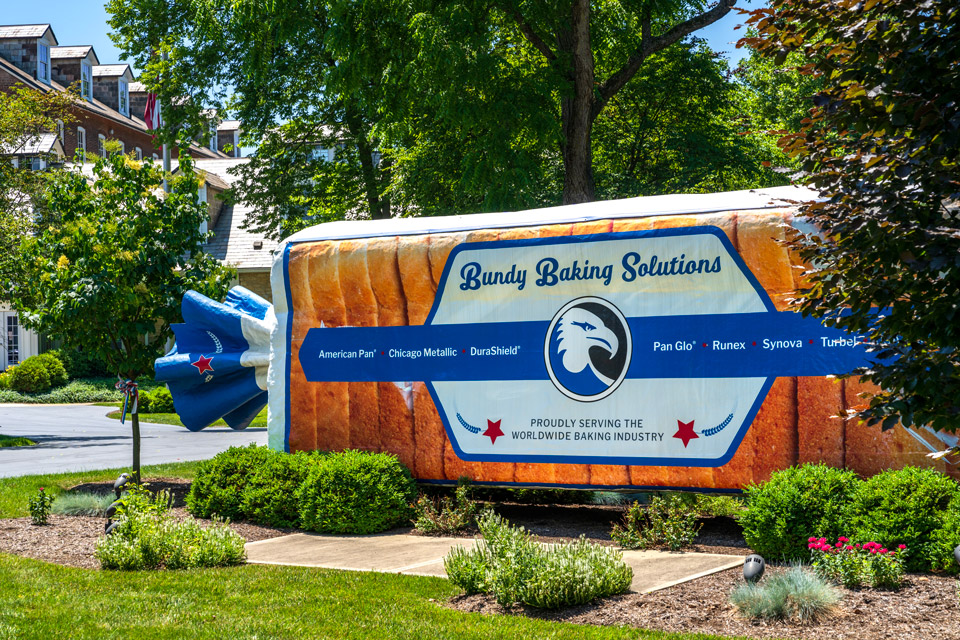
{"type": "Point", "coordinates": [79, 22]}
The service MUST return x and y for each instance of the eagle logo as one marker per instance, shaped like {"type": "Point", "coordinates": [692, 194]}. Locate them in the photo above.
{"type": "Point", "coordinates": [587, 349]}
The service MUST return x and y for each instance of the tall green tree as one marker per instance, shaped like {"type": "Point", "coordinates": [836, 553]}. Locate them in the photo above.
{"type": "Point", "coordinates": [882, 146]}
{"type": "Point", "coordinates": [108, 276]}
{"type": "Point", "coordinates": [25, 115]}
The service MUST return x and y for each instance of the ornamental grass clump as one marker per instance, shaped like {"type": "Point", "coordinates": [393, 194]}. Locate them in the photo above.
{"type": "Point", "coordinates": [854, 565]}
{"type": "Point", "coordinates": [82, 504]}
{"type": "Point", "coordinates": [510, 565]}
{"type": "Point", "coordinates": [797, 595]}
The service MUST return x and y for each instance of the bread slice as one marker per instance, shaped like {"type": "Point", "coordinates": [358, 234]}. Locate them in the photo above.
{"type": "Point", "coordinates": [395, 399]}
{"type": "Point", "coordinates": [302, 395]}
{"type": "Point", "coordinates": [361, 311]}
{"type": "Point", "coordinates": [332, 412]}
{"type": "Point", "coordinates": [820, 420]}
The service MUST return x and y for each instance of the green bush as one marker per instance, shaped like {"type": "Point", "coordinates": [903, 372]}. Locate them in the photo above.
{"type": "Point", "coordinates": [148, 537]}
{"type": "Point", "coordinates": [220, 482]}
{"type": "Point", "coordinates": [5, 376]}
{"type": "Point", "coordinates": [439, 516]}
{"type": "Point", "coordinates": [80, 364]}
{"type": "Point", "coordinates": [796, 503]}
{"type": "Point", "coordinates": [76, 391]}
{"type": "Point", "coordinates": [55, 368]}
{"type": "Point", "coordinates": [513, 567]}
{"type": "Point", "coordinates": [161, 401]}
{"type": "Point", "coordinates": [82, 504]}
{"type": "Point", "coordinates": [30, 376]}
{"type": "Point", "coordinates": [906, 506]}
{"type": "Point", "coordinates": [270, 494]}
{"type": "Point", "coordinates": [796, 595]}
{"type": "Point", "coordinates": [946, 539]}
{"type": "Point", "coordinates": [356, 492]}
{"type": "Point", "coordinates": [670, 521]}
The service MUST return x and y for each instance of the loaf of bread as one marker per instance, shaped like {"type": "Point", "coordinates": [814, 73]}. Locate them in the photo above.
{"type": "Point", "coordinates": [393, 281]}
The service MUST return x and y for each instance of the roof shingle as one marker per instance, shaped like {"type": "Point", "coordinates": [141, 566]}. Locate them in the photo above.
{"type": "Point", "coordinates": [24, 30]}
{"type": "Point", "coordinates": [62, 53]}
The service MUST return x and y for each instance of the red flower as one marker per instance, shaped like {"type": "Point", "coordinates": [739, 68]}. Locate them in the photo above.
{"type": "Point", "coordinates": [842, 539]}
{"type": "Point", "coordinates": [849, 547]}
{"type": "Point", "coordinates": [902, 547]}
{"type": "Point", "coordinates": [41, 488]}
{"type": "Point", "coordinates": [811, 539]}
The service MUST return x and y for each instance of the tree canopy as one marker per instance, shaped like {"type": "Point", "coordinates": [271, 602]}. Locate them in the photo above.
{"type": "Point", "coordinates": [451, 107]}
{"type": "Point", "coordinates": [882, 146]}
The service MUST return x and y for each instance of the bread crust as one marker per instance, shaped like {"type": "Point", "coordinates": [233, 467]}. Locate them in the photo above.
{"type": "Point", "coordinates": [302, 399]}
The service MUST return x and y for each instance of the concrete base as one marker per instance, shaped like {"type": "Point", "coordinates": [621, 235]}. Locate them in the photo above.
{"type": "Point", "coordinates": [415, 555]}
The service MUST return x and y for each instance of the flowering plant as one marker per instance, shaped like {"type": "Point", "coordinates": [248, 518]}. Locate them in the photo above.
{"type": "Point", "coordinates": [40, 507]}
{"type": "Point", "coordinates": [854, 565]}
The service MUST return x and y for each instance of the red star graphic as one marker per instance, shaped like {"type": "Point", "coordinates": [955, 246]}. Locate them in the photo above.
{"type": "Point", "coordinates": [493, 430]}
{"type": "Point", "coordinates": [685, 432]}
{"type": "Point", "coordinates": [203, 364]}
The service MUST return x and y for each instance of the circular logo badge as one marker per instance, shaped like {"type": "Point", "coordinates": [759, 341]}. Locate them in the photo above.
{"type": "Point", "coordinates": [587, 349]}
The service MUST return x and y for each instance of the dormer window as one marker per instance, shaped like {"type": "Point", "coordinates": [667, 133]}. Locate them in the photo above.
{"type": "Point", "coordinates": [124, 97]}
{"type": "Point", "coordinates": [86, 81]}
{"type": "Point", "coordinates": [43, 62]}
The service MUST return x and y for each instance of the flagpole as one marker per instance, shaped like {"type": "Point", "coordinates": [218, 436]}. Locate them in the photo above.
{"type": "Point", "coordinates": [166, 147]}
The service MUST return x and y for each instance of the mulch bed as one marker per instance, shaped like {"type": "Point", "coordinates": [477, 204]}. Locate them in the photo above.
{"type": "Point", "coordinates": [925, 609]}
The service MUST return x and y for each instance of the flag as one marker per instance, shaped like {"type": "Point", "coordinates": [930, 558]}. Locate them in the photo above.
{"type": "Point", "coordinates": [151, 114]}
{"type": "Point", "coordinates": [218, 366]}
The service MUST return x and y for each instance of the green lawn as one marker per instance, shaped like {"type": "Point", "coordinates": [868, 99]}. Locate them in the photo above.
{"type": "Point", "coordinates": [260, 422]}
{"type": "Point", "coordinates": [15, 441]}
{"type": "Point", "coordinates": [39, 600]}
{"type": "Point", "coordinates": [15, 492]}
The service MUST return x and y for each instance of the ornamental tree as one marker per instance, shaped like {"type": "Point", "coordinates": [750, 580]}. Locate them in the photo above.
{"type": "Point", "coordinates": [107, 275]}
{"type": "Point", "coordinates": [882, 146]}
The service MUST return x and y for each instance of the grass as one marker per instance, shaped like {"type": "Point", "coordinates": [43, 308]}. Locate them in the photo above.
{"type": "Point", "coordinates": [16, 492]}
{"type": "Point", "coordinates": [39, 600]}
{"type": "Point", "coordinates": [15, 441]}
{"type": "Point", "coordinates": [171, 418]}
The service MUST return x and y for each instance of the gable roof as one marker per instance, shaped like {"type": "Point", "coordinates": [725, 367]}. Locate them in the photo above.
{"type": "Point", "coordinates": [34, 145]}
{"type": "Point", "coordinates": [70, 53]}
{"type": "Point", "coordinates": [26, 31]}
{"type": "Point", "coordinates": [110, 70]}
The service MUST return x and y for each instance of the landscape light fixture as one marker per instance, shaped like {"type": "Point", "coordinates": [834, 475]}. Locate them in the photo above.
{"type": "Point", "coordinates": [753, 567]}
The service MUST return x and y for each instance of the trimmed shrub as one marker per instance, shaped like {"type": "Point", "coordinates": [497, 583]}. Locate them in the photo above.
{"type": "Point", "coordinates": [797, 595]}
{"type": "Point", "coordinates": [270, 495]}
{"type": "Point", "coordinates": [946, 539]}
{"type": "Point", "coordinates": [220, 482]}
{"type": "Point", "coordinates": [669, 521]}
{"type": "Point", "coordinates": [80, 364]}
{"type": "Point", "coordinates": [30, 376]}
{"type": "Point", "coordinates": [905, 506]}
{"type": "Point", "coordinates": [161, 401]}
{"type": "Point", "coordinates": [513, 567]}
{"type": "Point", "coordinates": [796, 503]}
{"type": "Point", "coordinates": [356, 492]}
{"type": "Point", "coordinates": [55, 368]}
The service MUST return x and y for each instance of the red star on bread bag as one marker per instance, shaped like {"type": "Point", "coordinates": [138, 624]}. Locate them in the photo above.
{"type": "Point", "coordinates": [203, 364]}
{"type": "Point", "coordinates": [493, 431]}
{"type": "Point", "coordinates": [685, 432]}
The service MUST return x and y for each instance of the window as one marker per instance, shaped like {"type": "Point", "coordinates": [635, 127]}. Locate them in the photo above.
{"type": "Point", "coordinates": [123, 147]}
{"type": "Point", "coordinates": [103, 145]}
{"type": "Point", "coordinates": [156, 157]}
{"type": "Point", "coordinates": [60, 131]}
{"type": "Point", "coordinates": [138, 152]}
{"type": "Point", "coordinates": [13, 339]}
{"type": "Point", "coordinates": [43, 62]}
{"type": "Point", "coordinates": [86, 84]}
{"type": "Point", "coordinates": [124, 97]}
{"type": "Point", "coordinates": [82, 143]}
{"type": "Point", "coordinates": [213, 136]}
{"type": "Point", "coordinates": [202, 196]}
{"type": "Point", "coordinates": [15, 161]}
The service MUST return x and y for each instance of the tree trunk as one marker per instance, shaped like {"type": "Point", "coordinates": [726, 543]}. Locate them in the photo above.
{"type": "Point", "coordinates": [575, 110]}
{"type": "Point", "coordinates": [368, 171]}
{"type": "Point", "coordinates": [135, 426]}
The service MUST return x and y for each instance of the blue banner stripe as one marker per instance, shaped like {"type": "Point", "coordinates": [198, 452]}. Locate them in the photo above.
{"type": "Point", "coordinates": [768, 344]}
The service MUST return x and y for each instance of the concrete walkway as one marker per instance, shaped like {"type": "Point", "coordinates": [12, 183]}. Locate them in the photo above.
{"type": "Point", "coordinates": [423, 556]}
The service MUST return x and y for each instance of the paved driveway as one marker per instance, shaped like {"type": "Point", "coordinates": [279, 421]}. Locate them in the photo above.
{"type": "Point", "coordinates": [80, 437]}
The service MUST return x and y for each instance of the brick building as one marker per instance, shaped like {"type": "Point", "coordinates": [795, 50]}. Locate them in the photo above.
{"type": "Point", "coordinates": [110, 105]}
